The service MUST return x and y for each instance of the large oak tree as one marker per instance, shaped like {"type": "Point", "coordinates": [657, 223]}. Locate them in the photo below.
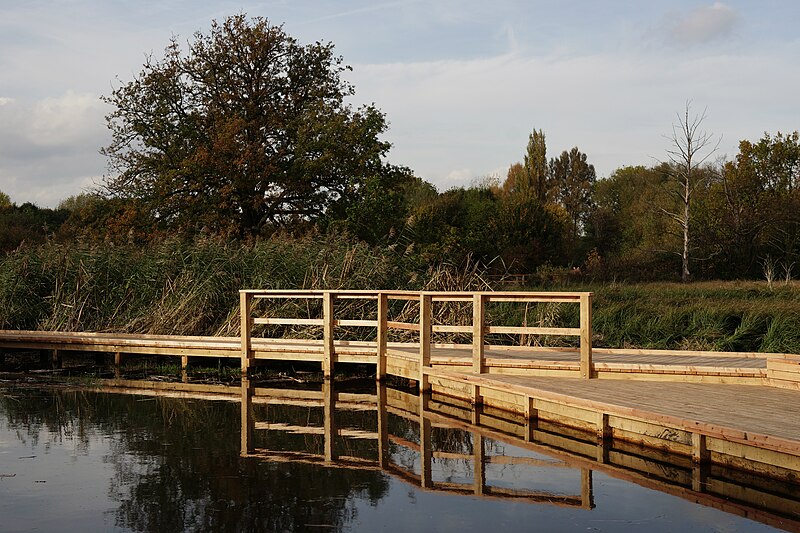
{"type": "Point", "coordinates": [245, 131]}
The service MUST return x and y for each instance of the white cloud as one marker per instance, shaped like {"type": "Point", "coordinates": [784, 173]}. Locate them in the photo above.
{"type": "Point", "coordinates": [454, 121]}
{"type": "Point", "coordinates": [49, 148]}
{"type": "Point", "coordinates": [457, 177]}
{"type": "Point", "coordinates": [704, 24]}
{"type": "Point", "coordinates": [66, 120]}
{"type": "Point", "coordinates": [4, 100]}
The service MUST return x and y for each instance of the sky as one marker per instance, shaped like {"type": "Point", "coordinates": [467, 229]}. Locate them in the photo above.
{"type": "Point", "coordinates": [462, 83]}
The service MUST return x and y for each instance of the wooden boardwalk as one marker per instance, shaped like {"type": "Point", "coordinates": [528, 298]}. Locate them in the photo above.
{"type": "Point", "coordinates": [554, 362]}
{"type": "Point", "coordinates": [649, 365]}
{"type": "Point", "coordinates": [721, 408]}
{"type": "Point", "coordinates": [732, 409]}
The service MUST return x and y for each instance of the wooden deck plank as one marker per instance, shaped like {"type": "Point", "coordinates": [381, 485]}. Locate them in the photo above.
{"type": "Point", "coordinates": [615, 364]}
{"type": "Point", "coordinates": [442, 355]}
{"type": "Point", "coordinates": [765, 410]}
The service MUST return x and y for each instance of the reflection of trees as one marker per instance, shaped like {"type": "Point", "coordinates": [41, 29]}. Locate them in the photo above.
{"type": "Point", "coordinates": [177, 465]}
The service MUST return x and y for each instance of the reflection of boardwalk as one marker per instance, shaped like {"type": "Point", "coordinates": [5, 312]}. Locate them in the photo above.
{"type": "Point", "coordinates": [415, 452]}
{"type": "Point", "coordinates": [407, 451]}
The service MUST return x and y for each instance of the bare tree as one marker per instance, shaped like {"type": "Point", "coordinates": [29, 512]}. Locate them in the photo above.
{"type": "Point", "coordinates": [690, 149]}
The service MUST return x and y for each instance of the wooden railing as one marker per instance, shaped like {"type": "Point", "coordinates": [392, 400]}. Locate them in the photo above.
{"type": "Point", "coordinates": [424, 327]}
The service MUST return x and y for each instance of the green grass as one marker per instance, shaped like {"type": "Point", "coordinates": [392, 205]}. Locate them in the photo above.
{"type": "Point", "coordinates": [721, 316]}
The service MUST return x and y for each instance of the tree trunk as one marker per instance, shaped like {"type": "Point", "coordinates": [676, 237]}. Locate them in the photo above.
{"type": "Point", "coordinates": [685, 255]}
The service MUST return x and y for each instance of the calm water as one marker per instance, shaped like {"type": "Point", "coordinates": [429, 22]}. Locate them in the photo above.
{"type": "Point", "coordinates": [81, 461]}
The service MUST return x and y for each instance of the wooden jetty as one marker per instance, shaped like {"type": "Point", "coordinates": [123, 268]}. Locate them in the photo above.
{"type": "Point", "coordinates": [730, 409]}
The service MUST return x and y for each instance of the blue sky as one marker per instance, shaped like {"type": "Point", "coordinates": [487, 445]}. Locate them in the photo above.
{"type": "Point", "coordinates": [462, 82]}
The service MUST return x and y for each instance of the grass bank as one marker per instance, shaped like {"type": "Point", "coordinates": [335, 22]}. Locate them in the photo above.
{"type": "Point", "coordinates": [720, 316]}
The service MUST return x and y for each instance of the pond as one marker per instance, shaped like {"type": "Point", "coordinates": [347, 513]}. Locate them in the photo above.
{"type": "Point", "coordinates": [319, 460]}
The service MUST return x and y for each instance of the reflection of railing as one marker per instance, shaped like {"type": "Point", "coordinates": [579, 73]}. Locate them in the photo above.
{"type": "Point", "coordinates": [386, 442]}
{"type": "Point", "coordinates": [770, 498]}
{"type": "Point", "coordinates": [424, 327]}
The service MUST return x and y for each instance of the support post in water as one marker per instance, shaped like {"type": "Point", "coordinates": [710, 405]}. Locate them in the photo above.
{"type": "Point", "coordinates": [478, 463]}
{"type": "Point", "coordinates": [382, 335]}
{"type": "Point", "coordinates": [604, 436]}
{"type": "Point", "coordinates": [384, 446]}
{"type": "Point", "coordinates": [56, 362]}
{"type": "Point", "coordinates": [586, 335]}
{"type": "Point", "coordinates": [425, 328]}
{"type": "Point", "coordinates": [587, 491]}
{"type": "Point", "coordinates": [327, 335]}
{"type": "Point", "coordinates": [245, 304]}
{"type": "Point", "coordinates": [248, 423]}
{"type": "Point", "coordinates": [531, 418]}
{"type": "Point", "coordinates": [329, 422]}
{"type": "Point", "coordinates": [700, 453]}
{"type": "Point", "coordinates": [425, 446]}
{"type": "Point", "coordinates": [478, 341]}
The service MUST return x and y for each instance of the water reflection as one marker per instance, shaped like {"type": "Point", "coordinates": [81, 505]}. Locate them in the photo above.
{"type": "Point", "coordinates": [436, 444]}
{"type": "Point", "coordinates": [342, 460]}
{"type": "Point", "coordinates": [172, 463]}
{"type": "Point", "coordinates": [393, 431]}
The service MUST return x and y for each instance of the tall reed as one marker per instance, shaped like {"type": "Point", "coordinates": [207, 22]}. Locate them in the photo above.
{"type": "Point", "coordinates": [190, 288]}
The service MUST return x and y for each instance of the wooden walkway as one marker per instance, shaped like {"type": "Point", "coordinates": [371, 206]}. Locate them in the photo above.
{"type": "Point", "coordinates": [553, 362]}
{"type": "Point", "coordinates": [712, 407]}
{"type": "Point", "coordinates": [649, 365]}
{"type": "Point", "coordinates": [735, 409]}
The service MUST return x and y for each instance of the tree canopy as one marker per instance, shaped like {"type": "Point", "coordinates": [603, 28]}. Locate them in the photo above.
{"type": "Point", "coordinates": [245, 131]}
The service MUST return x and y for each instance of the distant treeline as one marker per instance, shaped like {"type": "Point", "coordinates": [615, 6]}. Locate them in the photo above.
{"type": "Point", "coordinates": [548, 219]}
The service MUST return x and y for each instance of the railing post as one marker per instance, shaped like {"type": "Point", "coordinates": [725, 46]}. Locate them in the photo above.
{"type": "Point", "coordinates": [478, 341]}
{"type": "Point", "coordinates": [327, 335]}
{"type": "Point", "coordinates": [425, 318]}
{"type": "Point", "coordinates": [245, 310]}
{"type": "Point", "coordinates": [586, 335]}
{"type": "Point", "coordinates": [382, 336]}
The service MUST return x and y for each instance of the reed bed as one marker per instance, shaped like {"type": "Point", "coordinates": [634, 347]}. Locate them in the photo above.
{"type": "Point", "coordinates": [173, 287]}
{"type": "Point", "coordinates": [190, 288]}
